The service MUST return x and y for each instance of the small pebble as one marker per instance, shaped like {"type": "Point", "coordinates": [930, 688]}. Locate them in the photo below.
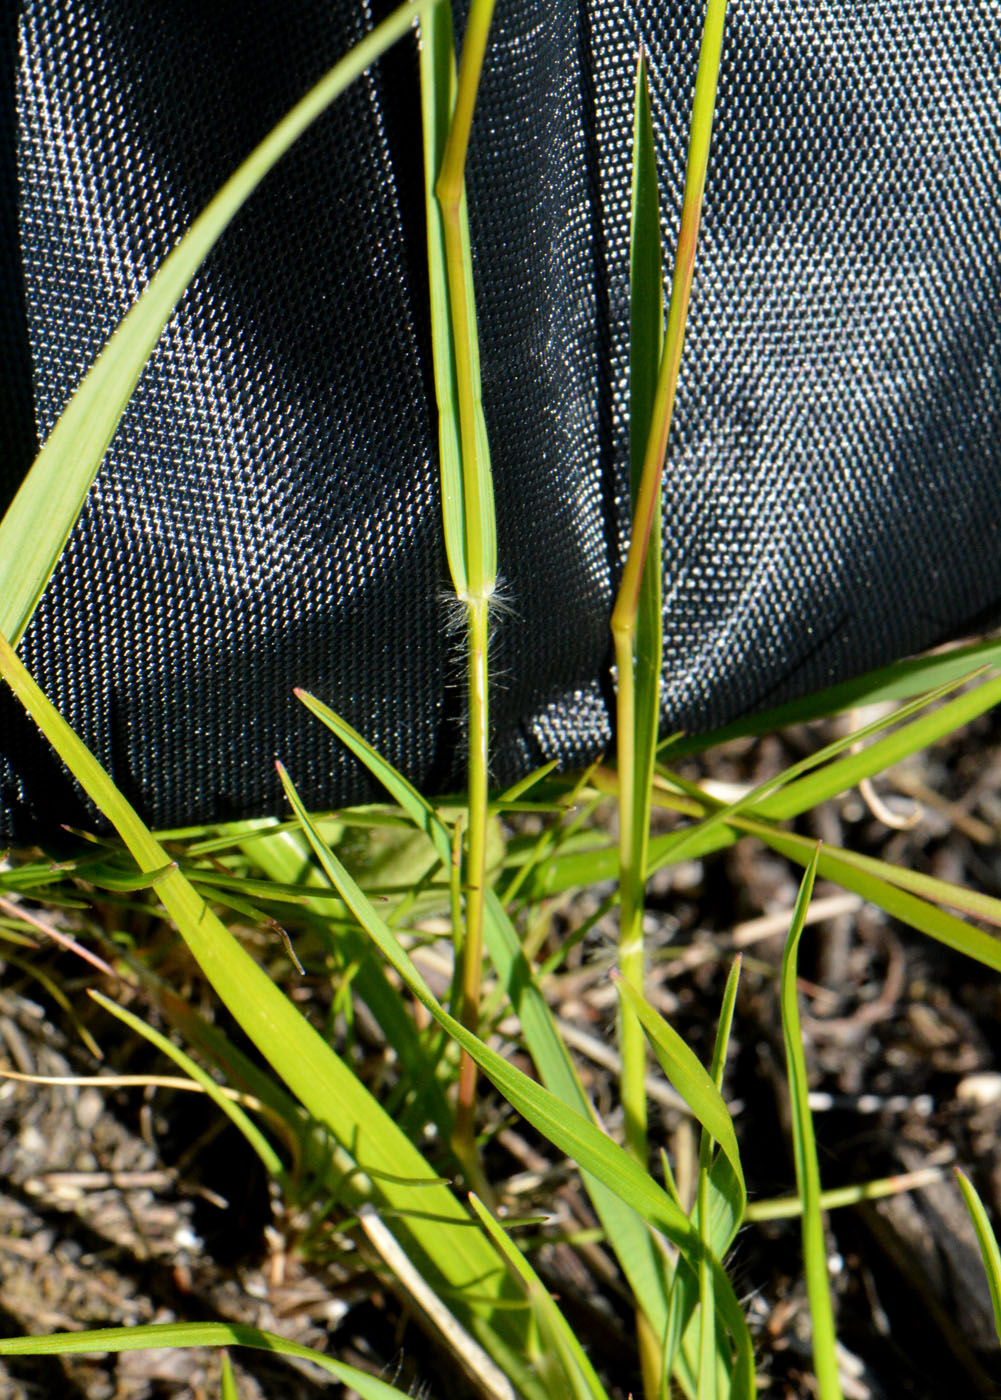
{"type": "Point", "coordinates": [981, 1089]}
{"type": "Point", "coordinates": [89, 1107]}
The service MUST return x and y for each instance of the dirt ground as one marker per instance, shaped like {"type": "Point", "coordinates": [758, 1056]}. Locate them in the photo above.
{"type": "Point", "coordinates": [137, 1206]}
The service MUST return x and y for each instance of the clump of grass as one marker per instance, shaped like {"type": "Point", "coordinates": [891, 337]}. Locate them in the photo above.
{"type": "Point", "coordinates": [336, 1150]}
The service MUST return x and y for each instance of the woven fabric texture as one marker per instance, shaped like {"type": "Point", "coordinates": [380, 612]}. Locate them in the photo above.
{"type": "Point", "coordinates": [268, 515]}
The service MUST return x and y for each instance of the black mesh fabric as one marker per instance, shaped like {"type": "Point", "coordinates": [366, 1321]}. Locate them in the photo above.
{"type": "Point", "coordinates": [268, 514]}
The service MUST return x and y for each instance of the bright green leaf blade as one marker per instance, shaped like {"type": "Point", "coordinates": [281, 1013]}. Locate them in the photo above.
{"type": "Point", "coordinates": [227, 1381]}
{"type": "Point", "coordinates": [725, 1194]}
{"type": "Point", "coordinates": [281, 857]}
{"type": "Point", "coordinates": [639, 1254]}
{"type": "Point", "coordinates": [419, 810]}
{"type": "Point", "coordinates": [574, 1134]}
{"type": "Point", "coordinates": [269, 1157]}
{"type": "Point", "coordinates": [988, 1242]}
{"type": "Point", "coordinates": [570, 1131]}
{"type": "Point", "coordinates": [912, 738]}
{"type": "Point", "coordinates": [691, 1079]}
{"type": "Point", "coordinates": [637, 623]}
{"type": "Point", "coordinates": [916, 913]}
{"type": "Point", "coordinates": [432, 1225]}
{"type": "Point", "coordinates": [788, 1207]}
{"type": "Point", "coordinates": [646, 341]}
{"type": "Point", "coordinates": [707, 1334]}
{"type": "Point", "coordinates": [763, 800]}
{"type": "Point", "coordinates": [640, 1257]}
{"type": "Point", "coordinates": [805, 1152]}
{"type": "Point", "coordinates": [467, 487]}
{"type": "Point", "coordinates": [195, 1334]}
{"type": "Point", "coordinates": [886, 885]}
{"type": "Point", "coordinates": [928, 887]}
{"type": "Point", "coordinates": [438, 82]}
{"type": "Point", "coordinates": [722, 1042]}
{"type": "Point", "coordinates": [44, 511]}
{"type": "Point", "coordinates": [580, 1376]}
{"type": "Point", "coordinates": [899, 681]}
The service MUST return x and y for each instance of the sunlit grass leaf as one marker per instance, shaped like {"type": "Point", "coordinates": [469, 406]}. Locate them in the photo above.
{"type": "Point", "coordinates": [691, 1079]}
{"type": "Point", "coordinates": [434, 1228]}
{"type": "Point", "coordinates": [817, 777]}
{"type": "Point", "coordinates": [39, 520]}
{"type": "Point", "coordinates": [722, 1196]}
{"type": "Point", "coordinates": [726, 1191]}
{"type": "Point", "coordinates": [805, 1154]}
{"type": "Point", "coordinates": [916, 913]}
{"type": "Point", "coordinates": [195, 1334]}
{"type": "Point", "coordinates": [271, 1161]}
{"type": "Point", "coordinates": [898, 681]}
{"type": "Point", "coordinates": [577, 1136]}
{"type": "Point", "coordinates": [919, 734]}
{"type": "Point", "coordinates": [467, 489]}
{"type": "Point", "coordinates": [927, 887]}
{"type": "Point", "coordinates": [640, 1257]}
{"type": "Point", "coordinates": [639, 1254]}
{"type": "Point", "coordinates": [646, 310]}
{"type": "Point", "coordinates": [227, 1381]}
{"type": "Point", "coordinates": [637, 624]}
{"type": "Point", "coordinates": [283, 858]}
{"type": "Point", "coordinates": [578, 1378]}
{"type": "Point", "coordinates": [400, 789]}
{"type": "Point", "coordinates": [573, 1133]}
{"type": "Point", "coordinates": [988, 1242]}
{"type": "Point", "coordinates": [789, 1207]}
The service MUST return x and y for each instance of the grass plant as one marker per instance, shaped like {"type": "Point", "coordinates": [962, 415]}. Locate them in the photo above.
{"type": "Point", "coordinates": [346, 1156]}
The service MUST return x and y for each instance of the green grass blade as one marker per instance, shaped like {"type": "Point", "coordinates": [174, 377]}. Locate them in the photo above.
{"type": "Point", "coordinates": [639, 645]}
{"type": "Point", "coordinates": [805, 1152]}
{"type": "Point", "coordinates": [438, 84]}
{"type": "Point", "coordinates": [788, 1207]}
{"type": "Point", "coordinates": [722, 1043]}
{"type": "Point", "coordinates": [726, 1196]}
{"type": "Point", "coordinates": [988, 1242]}
{"type": "Point", "coordinates": [282, 857]}
{"type": "Point", "coordinates": [891, 887]}
{"type": "Point", "coordinates": [898, 681]}
{"type": "Point", "coordinates": [700, 135]}
{"type": "Point", "coordinates": [195, 1334]}
{"type": "Point", "coordinates": [916, 913]}
{"type": "Point", "coordinates": [227, 1381]}
{"type": "Point", "coordinates": [639, 1255]}
{"type": "Point", "coordinates": [577, 1136]}
{"type": "Point", "coordinates": [708, 833]}
{"type": "Point", "coordinates": [691, 1079]}
{"type": "Point", "coordinates": [417, 808]}
{"type": "Point", "coordinates": [646, 342]}
{"type": "Point", "coordinates": [764, 800]}
{"type": "Point", "coordinates": [573, 1133]}
{"type": "Point", "coordinates": [580, 1380]}
{"type": "Point", "coordinates": [269, 1157]}
{"type": "Point", "coordinates": [471, 531]}
{"type": "Point", "coordinates": [927, 887]}
{"type": "Point", "coordinates": [706, 1324]}
{"type": "Point", "coordinates": [467, 483]}
{"type": "Point", "coordinates": [912, 738]}
{"type": "Point", "coordinates": [432, 1225]}
{"type": "Point", "coordinates": [44, 511]}
{"type": "Point", "coordinates": [640, 1258]}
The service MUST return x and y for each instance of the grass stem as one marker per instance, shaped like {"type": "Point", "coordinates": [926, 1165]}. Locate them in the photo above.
{"type": "Point", "coordinates": [476, 858]}
{"type": "Point", "coordinates": [634, 624]}
{"type": "Point", "coordinates": [479, 547]}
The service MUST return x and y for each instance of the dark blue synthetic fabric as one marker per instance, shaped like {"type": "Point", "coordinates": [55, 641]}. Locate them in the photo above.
{"type": "Point", "coordinates": [268, 514]}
